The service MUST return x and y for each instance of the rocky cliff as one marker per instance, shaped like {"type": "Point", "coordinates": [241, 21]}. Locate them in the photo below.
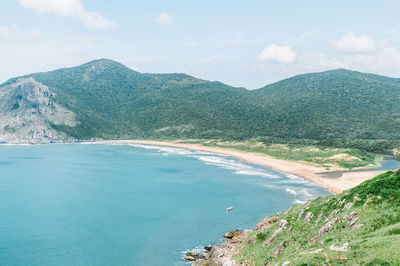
{"type": "Point", "coordinates": [28, 111]}
{"type": "Point", "coordinates": [358, 227]}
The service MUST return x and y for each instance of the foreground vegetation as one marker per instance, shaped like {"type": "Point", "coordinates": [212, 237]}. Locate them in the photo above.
{"type": "Point", "coordinates": [358, 227]}
{"type": "Point", "coordinates": [316, 155]}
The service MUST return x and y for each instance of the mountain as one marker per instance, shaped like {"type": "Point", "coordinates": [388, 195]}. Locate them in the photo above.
{"type": "Point", "coordinates": [111, 101]}
{"type": "Point", "coordinates": [331, 104]}
{"type": "Point", "coordinates": [27, 111]}
{"type": "Point", "coordinates": [358, 227]}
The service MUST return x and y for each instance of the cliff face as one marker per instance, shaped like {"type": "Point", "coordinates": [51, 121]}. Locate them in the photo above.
{"type": "Point", "coordinates": [28, 109]}
{"type": "Point", "coordinates": [358, 227]}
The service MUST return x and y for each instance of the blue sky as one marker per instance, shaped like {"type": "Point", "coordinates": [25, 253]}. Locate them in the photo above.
{"type": "Point", "coordinates": [241, 43]}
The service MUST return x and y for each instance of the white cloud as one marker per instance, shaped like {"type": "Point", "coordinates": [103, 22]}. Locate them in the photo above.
{"type": "Point", "coordinates": [320, 62]}
{"type": "Point", "coordinates": [68, 8]}
{"type": "Point", "coordinates": [12, 31]}
{"type": "Point", "coordinates": [163, 19]}
{"type": "Point", "coordinates": [8, 31]}
{"type": "Point", "coordinates": [386, 58]}
{"type": "Point", "coordinates": [280, 54]}
{"type": "Point", "coordinates": [352, 43]}
{"type": "Point", "coordinates": [35, 33]}
{"type": "Point", "coordinates": [5, 32]}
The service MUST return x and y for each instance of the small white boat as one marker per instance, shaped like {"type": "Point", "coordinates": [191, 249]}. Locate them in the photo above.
{"type": "Point", "coordinates": [229, 209]}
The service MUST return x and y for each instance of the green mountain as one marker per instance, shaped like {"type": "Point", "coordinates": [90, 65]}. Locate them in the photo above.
{"type": "Point", "coordinates": [331, 104]}
{"type": "Point", "coordinates": [111, 101]}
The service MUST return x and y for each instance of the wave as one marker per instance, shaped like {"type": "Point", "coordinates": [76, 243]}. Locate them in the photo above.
{"type": "Point", "coordinates": [225, 162]}
{"type": "Point", "coordinates": [297, 201]}
{"type": "Point", "coordinates": [166, 150]}
{"type": "Point", "coordinates": [237, 167]}
{"type": "Point", "coordinates": [291, 191]}
{"type": "Point", "coordinates": [305, 192]}
{"type": "Point", "coordinates": [295, 179]}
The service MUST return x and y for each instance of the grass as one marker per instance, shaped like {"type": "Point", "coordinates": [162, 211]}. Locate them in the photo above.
{"type": "Point", "coordinates": [376, 203]}
{"type": "Point", "coordinates": [316, 155]}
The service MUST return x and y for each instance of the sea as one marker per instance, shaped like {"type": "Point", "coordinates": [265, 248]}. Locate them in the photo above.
{"type": "Point", "coordinates": [112, 204]}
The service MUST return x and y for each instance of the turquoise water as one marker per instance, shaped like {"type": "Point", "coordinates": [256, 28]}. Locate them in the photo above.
{"type": "Point", "coordinates": [129, 205]}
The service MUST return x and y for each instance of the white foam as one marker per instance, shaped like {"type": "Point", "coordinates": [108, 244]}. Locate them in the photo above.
{"type": "Point", "coordinates": [291, 191]}
{"type": "Point", "coordinates": [256, 172]}
{"type": "Point", "coordinates": [295, 179]}
{"type": "Point", "coordinates": [296, 201]}
{"type": "Point", "coordinates": [210, 158]}
{"type": "Point", "coordinates": [305, 192]}
{"type": "Point", "coordinates": [238, 167]}
{"type": "Point", "coordinates": [165, 150]}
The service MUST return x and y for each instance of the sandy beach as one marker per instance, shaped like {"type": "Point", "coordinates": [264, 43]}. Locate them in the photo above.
{"type": "Point", "coordinates": [312, 173]}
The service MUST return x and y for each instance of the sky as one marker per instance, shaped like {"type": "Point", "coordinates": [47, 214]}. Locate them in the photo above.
{"type": "Point", "coordinates": [241, 43]}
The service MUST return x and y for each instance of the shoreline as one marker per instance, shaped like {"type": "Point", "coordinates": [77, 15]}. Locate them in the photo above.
{"type": "Point", "coordinates": [309, 172]}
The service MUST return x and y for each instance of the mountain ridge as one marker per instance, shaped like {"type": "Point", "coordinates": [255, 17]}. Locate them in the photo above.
{"type": "Point", "coordinates": [338, 106]}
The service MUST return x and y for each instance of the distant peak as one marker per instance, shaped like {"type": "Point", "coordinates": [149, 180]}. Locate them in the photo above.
{"type": "Point", "coordinates": [341, 70]}
{"type": "Point", "coordinates": [104, 64]}
{"type": "Point", "coordinates": [104, 61]}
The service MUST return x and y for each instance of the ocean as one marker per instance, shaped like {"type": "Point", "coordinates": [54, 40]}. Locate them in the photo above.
{"type": "Point", "coordinates": [104, 204]}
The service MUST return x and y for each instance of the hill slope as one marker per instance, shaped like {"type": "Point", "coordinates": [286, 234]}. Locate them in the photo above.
{"type": "Point", "coordinates": [29, 111]}
{"type": "Point", "coordinates": [112, 101]}
{"type": "Point", "coordinates": [359, 227]}
{"type": "Point", "coordinates": [331, 104]}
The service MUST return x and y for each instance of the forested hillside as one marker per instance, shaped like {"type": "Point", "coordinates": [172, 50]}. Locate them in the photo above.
{"type": "Point", "coordinates": [113, 101]}
{"type": "Point", "coordinates": [331, 104]}
{"type": "Point", "coordinates": [333, 108]}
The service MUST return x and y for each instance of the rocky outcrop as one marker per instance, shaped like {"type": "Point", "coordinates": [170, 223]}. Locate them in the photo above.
{"type": "Point", "coordinates": [232, 234]}
{"type": "Point", "coordinates": [279, 249]}
{"type": "Point", "coordinates": [193, 256]}
{"type": "Point", "coordinates": [265, 223]}
{"type": "Point", "coordinates": [327, 227]}
{"type": "Point", "coordinates": [308, 217]}
{"type": "Point", "coordinates": [28, 112]}
{"type": "Point", "coordinates": [221, 254]}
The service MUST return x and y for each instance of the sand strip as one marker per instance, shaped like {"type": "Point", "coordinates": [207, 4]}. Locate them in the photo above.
{"type": "Point", "coordinates": [335, 185]}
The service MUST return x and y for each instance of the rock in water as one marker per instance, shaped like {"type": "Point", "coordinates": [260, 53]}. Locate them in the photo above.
{"type": "Point", "coordinates": [193, 256]}
{"type": "Point", "coordinates": [190, 258]}
{"type": "Point", "coordinates": [232, 234]}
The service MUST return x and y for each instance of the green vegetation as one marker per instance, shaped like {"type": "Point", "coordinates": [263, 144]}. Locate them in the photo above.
{"type": "Point", "coordinates": [339, 108]}
{"type": "Point", "coordinates": [364, 229]}
{"type": "Point", "coordinates": [338, 104]}
{"type": "Point", "coordinates": [316, 155]}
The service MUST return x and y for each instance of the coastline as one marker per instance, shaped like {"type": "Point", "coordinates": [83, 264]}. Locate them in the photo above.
{"type": "Point", "coordinates": [312, 173]}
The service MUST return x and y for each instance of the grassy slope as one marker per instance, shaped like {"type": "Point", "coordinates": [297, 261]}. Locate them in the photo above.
{"type": "Point", "coordinates": [320, 156]}
{"type": "Point", "coordinates": [376, 204]}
